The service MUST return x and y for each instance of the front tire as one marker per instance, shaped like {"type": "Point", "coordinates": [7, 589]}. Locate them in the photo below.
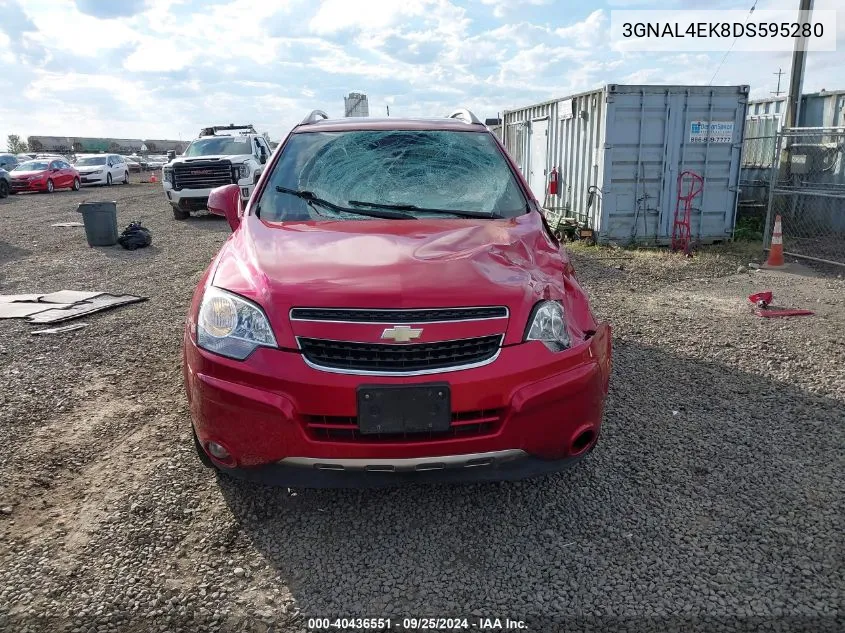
{"type": "Point", "coordinates": [180, 214]}
{"type": "Point", "coordinates": [126, 178]}
{"type": "Point", "coordinates": [108, 180]}
{"type": "Point", "coordinates": [4, 189]}
{"type": "Point", "coordinates": [50, 187]}
{"type": "Point", "coordinates": [76, 184]}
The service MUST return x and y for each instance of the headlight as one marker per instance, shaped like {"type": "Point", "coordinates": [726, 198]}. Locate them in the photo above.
{"type": "Point", "coordinates": [232, 326]}
{"type": "Point", "coordinates": [243, 171]}
{"type": "Point", "coordinates": [549, 326]}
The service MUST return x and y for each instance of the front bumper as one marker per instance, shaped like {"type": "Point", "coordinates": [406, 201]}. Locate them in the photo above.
{"type": "Point", "coordinates": [195, 199]}
{"type": "Point", "coordinates": [478, 468]}
{"type": "Point", "coordinates": [93, 179]}
{"type": "Point", "coordinates": [259, 409]}
{"type": "Point", "coordinates": [21, 186]}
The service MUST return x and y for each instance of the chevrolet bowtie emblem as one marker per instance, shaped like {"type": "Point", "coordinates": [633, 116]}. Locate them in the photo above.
{"type": "Point", "coordinates": [402, 333]}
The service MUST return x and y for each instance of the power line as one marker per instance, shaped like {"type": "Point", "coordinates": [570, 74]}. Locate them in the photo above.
{"type": "Point", "coordinates": [728, 52]}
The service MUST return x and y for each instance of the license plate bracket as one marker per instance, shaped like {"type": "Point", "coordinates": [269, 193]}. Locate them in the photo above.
{"type": "Point", "coordinates": [385, 409]}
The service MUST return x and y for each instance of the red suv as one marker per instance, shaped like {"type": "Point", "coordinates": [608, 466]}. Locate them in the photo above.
{"type": "Point", "coordinates": [390, 307]}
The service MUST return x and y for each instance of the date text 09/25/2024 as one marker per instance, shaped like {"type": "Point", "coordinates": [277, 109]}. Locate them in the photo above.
{"type": "Point", "coordinates": [415, 624]}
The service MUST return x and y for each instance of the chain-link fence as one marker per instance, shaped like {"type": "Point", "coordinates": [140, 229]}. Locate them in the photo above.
{"type": "Point", "coordinates": [807, 190]}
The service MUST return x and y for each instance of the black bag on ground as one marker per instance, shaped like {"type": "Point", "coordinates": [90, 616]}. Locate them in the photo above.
{"type": "Point", "coordinates": [135, 236]}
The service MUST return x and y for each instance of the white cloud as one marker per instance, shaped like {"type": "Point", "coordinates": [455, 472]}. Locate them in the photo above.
{"type": "Point", "coordinates": [589, 32]}
{"type": "Point", "coordinates": [182, 64]}
{"type": "Point", "coordinates": [504, 7]}
{"type": "Point", "coordinates": [339, 15]}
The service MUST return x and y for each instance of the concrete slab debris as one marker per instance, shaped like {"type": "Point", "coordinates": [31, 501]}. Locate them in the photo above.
{"type": "Point", "coordinates": [96, 304]}
{"type": "Point", "coordinates": [60, 306]}
{"type": "Point", "coordinates": [16, 298]}
{"type": "Point", "coordinates": [22, 310]}
{"type": "Point", "coordinates": [69, 296]}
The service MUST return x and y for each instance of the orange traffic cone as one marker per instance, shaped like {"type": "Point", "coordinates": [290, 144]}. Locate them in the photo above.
{"type": "Point", "coordinates": [775, 259]}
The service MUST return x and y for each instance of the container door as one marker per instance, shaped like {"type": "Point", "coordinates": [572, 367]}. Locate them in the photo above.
{"type": "Point", "coordinates": [537, 162]}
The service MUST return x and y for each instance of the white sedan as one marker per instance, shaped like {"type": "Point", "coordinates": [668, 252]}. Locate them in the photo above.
{"type": "Point", "coordinates": [102, 169]}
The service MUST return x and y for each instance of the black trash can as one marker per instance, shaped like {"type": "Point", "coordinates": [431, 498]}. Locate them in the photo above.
{"type": "Point", "coordinates": [100, 220]}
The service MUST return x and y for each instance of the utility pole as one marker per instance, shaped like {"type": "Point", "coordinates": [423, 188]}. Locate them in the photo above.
{"type": "Point", "coordinates": [388, 110]}
{"type": "Point", "coordinates": [778, 73]}
{"type": "Point", "coordinates": [799, 62]}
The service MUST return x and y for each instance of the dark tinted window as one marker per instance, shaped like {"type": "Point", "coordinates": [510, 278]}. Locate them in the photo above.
{"type": "Point", "coordinates": [434, 169]}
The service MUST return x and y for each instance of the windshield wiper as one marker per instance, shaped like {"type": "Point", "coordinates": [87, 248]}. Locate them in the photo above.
{"type": "Point", "coordinates": [313, 201]}
{"type": "Point", "coordinates": [413, 207]}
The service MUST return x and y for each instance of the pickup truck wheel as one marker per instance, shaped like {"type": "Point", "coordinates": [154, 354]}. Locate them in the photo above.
{"type": "Point", "coordinates": [180, 214]}
{"type": "Point", "coordinates": [204, 458]}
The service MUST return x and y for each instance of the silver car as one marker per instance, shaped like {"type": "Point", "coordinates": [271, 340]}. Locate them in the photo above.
{"type": "Point", "coordinates": [5, 183]}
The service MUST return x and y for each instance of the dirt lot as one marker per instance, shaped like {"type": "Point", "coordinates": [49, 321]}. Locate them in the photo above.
{"type": "Point", "coordinates": [714, 499]}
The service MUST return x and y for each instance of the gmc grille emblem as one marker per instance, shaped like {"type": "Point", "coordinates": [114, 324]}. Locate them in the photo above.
{"type": "Point", "coordinates": [200, 172]}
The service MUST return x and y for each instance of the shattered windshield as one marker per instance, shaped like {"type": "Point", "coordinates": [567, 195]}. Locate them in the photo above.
{"type": "Point", "coordinates": [420, 173]}
{"type": "Point", "coordinates": [219, 146]}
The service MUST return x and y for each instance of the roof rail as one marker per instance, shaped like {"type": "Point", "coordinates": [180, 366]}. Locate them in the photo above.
{"type": "Point", "coordinates": [315, 116]}
{"type": "Point", "coordinates": [466, 116]}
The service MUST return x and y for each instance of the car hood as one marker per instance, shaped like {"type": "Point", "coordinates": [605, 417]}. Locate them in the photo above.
{"type": "Point", "coordinates": [26, 174]}
{"type": "Point", "coordinates": [87, 169]}
{"type": "Point", "coordinates": [396, 264]}
{"type": "Point", "coordinates": [234, 159]}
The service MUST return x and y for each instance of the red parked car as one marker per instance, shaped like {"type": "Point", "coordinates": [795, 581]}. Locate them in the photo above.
{"type": "Point", "coordinates": [44, 175]}
{"type": "Point", "coordinates": [391, 307]}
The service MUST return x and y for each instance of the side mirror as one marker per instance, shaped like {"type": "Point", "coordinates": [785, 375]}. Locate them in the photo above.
{"type": "Point", "coordinates": [171, 154]}
{"type": "Point", "coordinates": [226, 201]}
{"type": "Point", "coordinates": [263, 156]}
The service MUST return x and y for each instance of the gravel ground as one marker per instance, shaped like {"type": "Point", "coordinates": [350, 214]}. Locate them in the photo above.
{"type": "Point", "coordinates": [713, 502]}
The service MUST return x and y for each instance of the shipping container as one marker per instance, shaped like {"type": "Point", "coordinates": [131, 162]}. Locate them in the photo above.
{"type": "Point", "coordinates": [763, 123]}
{"type": "Point", "coordinates": [618, 152]}
{"type": "Point", "coordinates": [825, 108]}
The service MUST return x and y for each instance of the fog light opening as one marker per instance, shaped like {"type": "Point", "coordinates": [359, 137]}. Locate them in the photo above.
{"type": "Point", "coordinates": [583, 441]}
{"type": "Point", "coordinates": [219, 452]}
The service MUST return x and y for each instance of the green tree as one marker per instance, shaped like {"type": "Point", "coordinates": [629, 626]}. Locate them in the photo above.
{"type": "Point", "coordinates": [14, 144]}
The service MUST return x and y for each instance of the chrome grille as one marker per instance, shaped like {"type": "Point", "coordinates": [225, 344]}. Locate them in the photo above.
{"type": "Point", "coordinates": [399, 359]}
{"type": "Point", "coordinates": [365, 315]}
{"type": "Point", "coordinates": [204, 175]}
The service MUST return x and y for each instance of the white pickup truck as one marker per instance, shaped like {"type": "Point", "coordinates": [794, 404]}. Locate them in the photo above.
{"type": "Point", "coordinates": [222, 155]}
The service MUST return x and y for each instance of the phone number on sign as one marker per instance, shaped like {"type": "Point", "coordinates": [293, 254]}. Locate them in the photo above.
{"type": "Point", "coordinates": [387, 624]}
{"type": "Point", "coordinates": [722, 29]}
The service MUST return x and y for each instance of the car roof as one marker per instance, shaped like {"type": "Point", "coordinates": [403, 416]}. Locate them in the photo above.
{"type": "Point", "coordinates": [390, 123]}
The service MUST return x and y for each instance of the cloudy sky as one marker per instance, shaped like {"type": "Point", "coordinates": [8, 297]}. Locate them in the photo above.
{"type": "Point", "coordinates": [165, 68]}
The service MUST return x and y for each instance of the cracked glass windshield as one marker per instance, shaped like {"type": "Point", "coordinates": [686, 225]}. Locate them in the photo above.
{"type": "Point", "coordinates": [399, 174]}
